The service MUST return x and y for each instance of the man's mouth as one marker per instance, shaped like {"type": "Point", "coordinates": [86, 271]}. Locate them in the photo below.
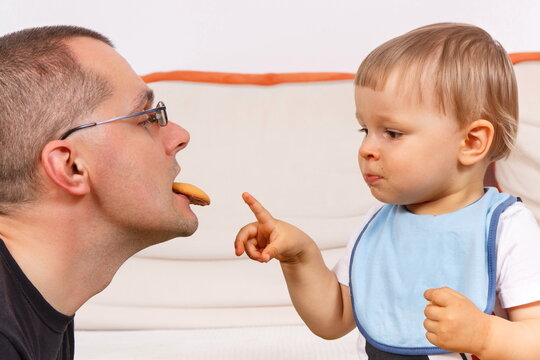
{"type": "Point", "coordinates": [195, 195]}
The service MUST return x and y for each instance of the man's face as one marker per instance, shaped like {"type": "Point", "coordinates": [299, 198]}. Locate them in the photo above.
{"type": "Point", "coordinates": [409, 155]}
{"type": "Point", "coordinates": [131, 162]}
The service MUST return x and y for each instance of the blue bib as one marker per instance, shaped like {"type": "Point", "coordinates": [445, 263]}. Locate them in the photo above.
{"type": "Point", "coordinates": [399, 255]}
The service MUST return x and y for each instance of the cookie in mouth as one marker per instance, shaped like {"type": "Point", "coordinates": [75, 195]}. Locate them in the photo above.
{"type": "Point", "coordinates": [195, 195]}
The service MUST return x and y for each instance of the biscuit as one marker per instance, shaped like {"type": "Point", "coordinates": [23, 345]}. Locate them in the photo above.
{"type": "Point", "coordinates": [195, 195]}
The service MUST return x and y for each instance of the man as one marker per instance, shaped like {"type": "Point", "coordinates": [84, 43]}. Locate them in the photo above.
{"type": "Point", "coordinates": [76, 199]}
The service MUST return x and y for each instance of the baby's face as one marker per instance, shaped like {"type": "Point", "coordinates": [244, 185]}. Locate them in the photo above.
{"type": "Point", "coordinates": [409, 153]}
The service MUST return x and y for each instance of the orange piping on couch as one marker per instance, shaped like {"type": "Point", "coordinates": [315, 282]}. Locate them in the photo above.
{"type": "Point", "coordinates": [526, 56]}
{"type": "Point", "coordinates": [244, 79]}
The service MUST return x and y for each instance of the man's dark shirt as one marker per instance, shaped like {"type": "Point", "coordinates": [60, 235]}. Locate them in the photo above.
{"type": "Point", "coordinates": [30, 328]}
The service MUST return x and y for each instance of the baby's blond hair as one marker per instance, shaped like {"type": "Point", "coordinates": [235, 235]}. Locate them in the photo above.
{"type": "Point", "coordinates": [470, 73]}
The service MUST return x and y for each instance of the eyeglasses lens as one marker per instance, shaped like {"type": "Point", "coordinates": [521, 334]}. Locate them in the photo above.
{"type": "Point", "coordinates": [161, 115]}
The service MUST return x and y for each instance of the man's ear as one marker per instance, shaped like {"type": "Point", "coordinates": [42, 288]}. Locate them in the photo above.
{"type": "Point", "coordinates": [476, 142]}
{"type": "Point", "coordinates": [65, 168]}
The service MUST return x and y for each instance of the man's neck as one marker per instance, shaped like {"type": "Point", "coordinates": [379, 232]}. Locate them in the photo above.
{"type": "Point", "coordinates": [68, 262]}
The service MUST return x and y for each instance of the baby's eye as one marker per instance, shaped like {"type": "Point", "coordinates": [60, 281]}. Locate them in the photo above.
{"type": "Point", "coordinates": [363, 130]}
{"type": "Point", "coordinates": [393, 134]}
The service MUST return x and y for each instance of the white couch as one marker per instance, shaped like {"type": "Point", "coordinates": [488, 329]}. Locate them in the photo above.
{"type": "Point", "coordinates": [520, 173]}
{"type": "Point", "coordinates": [291, 140]}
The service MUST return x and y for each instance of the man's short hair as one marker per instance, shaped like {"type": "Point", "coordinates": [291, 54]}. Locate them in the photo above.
{"type": "Point", "coordinates": [43, 91]}
{"type": "Point", "coordinates": [470, 73]}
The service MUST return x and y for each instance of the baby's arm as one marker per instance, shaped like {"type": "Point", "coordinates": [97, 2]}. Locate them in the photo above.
{"type": "Point", "coordinates": [320, 300]}
{"type": "Point", "coordinates": [454, 323]}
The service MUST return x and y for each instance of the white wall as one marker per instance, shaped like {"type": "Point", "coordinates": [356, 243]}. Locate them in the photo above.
{"type": "Point", "coordinates": [268, 35]}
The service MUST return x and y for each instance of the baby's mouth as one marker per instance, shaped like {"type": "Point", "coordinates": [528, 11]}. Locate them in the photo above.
{"type": "Point", "coordinates": [370, 178]}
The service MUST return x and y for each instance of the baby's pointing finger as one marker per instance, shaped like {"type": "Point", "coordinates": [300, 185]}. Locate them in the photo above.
{"type": "Point", "coordinates": [262, 215]}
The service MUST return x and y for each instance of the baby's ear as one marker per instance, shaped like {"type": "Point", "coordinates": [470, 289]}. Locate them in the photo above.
{"type": "Point", "coordinates": [65, 168]}
{"type": "Point", "coordinates": [476, 142]}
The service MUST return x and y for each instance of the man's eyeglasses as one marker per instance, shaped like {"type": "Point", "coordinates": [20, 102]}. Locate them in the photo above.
{"type": "Point", "coordinates": [159, 115]}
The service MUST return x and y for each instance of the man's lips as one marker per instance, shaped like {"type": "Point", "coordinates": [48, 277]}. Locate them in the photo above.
{"type": "Point", "coordinates": [370, 178]}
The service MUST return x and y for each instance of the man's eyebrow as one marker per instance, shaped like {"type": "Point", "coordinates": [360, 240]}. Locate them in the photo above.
{"type": "Point", "coordinates": [150, 95]}
{"type": "Point", "coordinates": [145, 96]}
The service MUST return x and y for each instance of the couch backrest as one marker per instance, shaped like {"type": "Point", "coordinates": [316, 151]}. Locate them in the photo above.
{"type": "Point", "coordinates": [289, 139]}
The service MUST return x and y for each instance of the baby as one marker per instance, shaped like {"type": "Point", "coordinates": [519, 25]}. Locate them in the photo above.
{"type": "Point", "coordinates": [425, 272]}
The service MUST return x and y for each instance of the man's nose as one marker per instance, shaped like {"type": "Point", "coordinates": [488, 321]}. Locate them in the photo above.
{"type": "Point", "coordinates": [175, 138]}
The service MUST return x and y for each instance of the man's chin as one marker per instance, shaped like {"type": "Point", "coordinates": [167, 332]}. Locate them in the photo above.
{"type": "Point", "coordinates": [187, 227]}
{"type": "Point", "coordinates": [187, 232]}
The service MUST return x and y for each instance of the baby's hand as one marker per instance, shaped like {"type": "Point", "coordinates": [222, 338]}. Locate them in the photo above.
{"type": "Point", "coordinates": [454, 323]}
{"type": "Point", "coordinates": [268, 237]}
